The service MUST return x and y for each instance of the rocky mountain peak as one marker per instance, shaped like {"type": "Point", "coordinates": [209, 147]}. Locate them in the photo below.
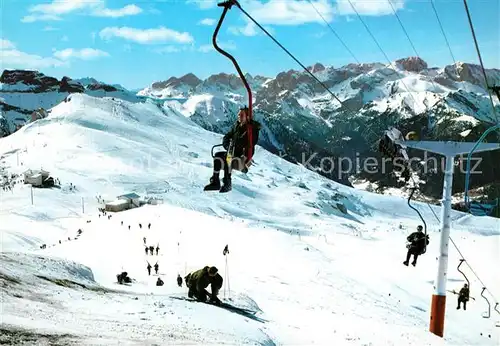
{"type": "Point", "coordinates": [318, 67]}
{"type": "Point", "coordinates": [412, 64]}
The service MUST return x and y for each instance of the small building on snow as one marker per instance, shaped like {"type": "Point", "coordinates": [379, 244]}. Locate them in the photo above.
{"type": "Point", "coordinates": [132, 198]}
{"type": "Point", "coordinates": [38, 178]}
{"type": "Point", "coordinates": [124, 202]}
{"type": "Point", "coordinates": [118, 205]}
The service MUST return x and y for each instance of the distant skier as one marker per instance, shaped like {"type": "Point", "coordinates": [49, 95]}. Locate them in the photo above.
{"type": "Point", "coordinates": [156, 267]}
{"type": "Point", "coordinates": [157, 249]}
{"type": "Point", "coordinates": [240, 144]}
{"type": "Point", "coordinates": [149, 268]}
{"type": "Point", "coordinates": [179, 280]}
{"type": "Point", "coordinates": [159, 282]}
{"type": "Point", "coordinates": [418, 241]}
{"type": "Point", "coordinates": [123, 278]}
{"type": "Point", "coordinates": [140, 226]}
{"type": "Point", "coordinates": [144, 240]}
{"type": "Point", "coordinates": [149, 226]}
{"type": "Point", "coordinates": [146, 249]}
{"type": "Point", "coordinates": [463, 297]}
{"type": "Point", "coordinates": [151, 250]}
{"type": "Point", "coordinates": [198, 281]}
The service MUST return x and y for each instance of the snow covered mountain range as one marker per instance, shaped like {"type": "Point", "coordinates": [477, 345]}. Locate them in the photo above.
{"type": "Point", "coordinates": [23, 92]}
{"type": "Point", "coordinates": [318, 262]}
{"type": "Point", "coordinates": [304, 124]}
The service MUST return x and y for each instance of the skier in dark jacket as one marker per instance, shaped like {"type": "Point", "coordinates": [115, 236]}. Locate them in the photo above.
{"type": "Point", "coordinates": [198, 281]}
{"type": "Point", "coordinates": [156, 267]}
{"type": "Point", "coordinates": [463, 297]}
{"type": "Point", "coordinates": [239, 143]}
{"type": "Point", "coordinates": [418, 241]}
{"type": "Point", "coordinates": [151, 250]}
{"type": "Point", "coordinates": [159, 282]}
{"type": "Point", "coordinates": [149, 268]}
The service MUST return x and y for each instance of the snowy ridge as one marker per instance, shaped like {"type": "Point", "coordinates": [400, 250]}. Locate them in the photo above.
{"type": "Point", "coordinates": [22, 92]}
{"type": "Point", "coordinates": [318, 274]}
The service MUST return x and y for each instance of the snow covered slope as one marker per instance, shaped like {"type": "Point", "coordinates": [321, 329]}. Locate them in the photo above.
{"type": "Point", "coordinates": [320, 262]}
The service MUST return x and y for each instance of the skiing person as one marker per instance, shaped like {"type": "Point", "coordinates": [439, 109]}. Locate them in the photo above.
{"type": "Point", "coordinates": [463, 297]}
{"type": "Point", "coordinates": [123, 278]}
{"type": "Point", "coordinates": [157, 249]}
{"type": "Point", "coordinates": [151, 249]}
{"type": "Point", "coordinates": [198, 281]}
{"type": "Point", "coordinates": [156, 267]}
{"type": "Point", "coordinates": [159, 282]}
{"type": "Point", "coordinates": [149, 269]}
{"type": "Point", "coordinates": [418, 241]}
{"type": "Point", "coordinates": [146, 250]}
{"type": "Point", "coordinates": [179, 280]}
{"type": "Point", "coordinates": [239, 151]}
{"type": "Point", "coordinates": [149, 225]}
{"type": "Point", "coordinates": [144, 240]}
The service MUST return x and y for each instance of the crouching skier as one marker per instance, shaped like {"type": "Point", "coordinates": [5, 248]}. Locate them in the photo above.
{"type": "Point", "coordinates": [198, 281]}
{"type": "Point", "coordinates": [418, 241]}
{"type": "Point", "coordinates": [240, 144]}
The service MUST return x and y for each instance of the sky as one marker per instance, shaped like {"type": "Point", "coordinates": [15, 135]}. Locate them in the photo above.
{"type": "Point", "coordinates": [135, 43]}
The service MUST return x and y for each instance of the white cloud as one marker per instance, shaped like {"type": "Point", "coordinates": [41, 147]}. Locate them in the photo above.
{"type": "Point", "coordinates": [129, 10]}
{"type": "Point", "coordinates": [6, 44]}
{"type": "Point", "coordinates": [290, 12]}
{"type": "Point", "coordinates": [65, 38]}
{"type": "Point", "coordinates": [13, 58]}
{"type": "Point", "coordinates": [50, 28]}
{"type": "Point", "coordinates": [83, 54]}
{"type": "Point", "coordinates": [203, 4]}
{"type": "Point", "coordinates": [250, 29]}
{"type": "Point", "coordinates": [57, 8]}
{"type": "Point", "coordinates": [224, 45]}
{"type": "Point", "coordinates": [146, 36]}
{"type": "Point", "coordinates": [39, 17]}
{"type": "Point", "coordinates": [368, 7]}
{"type": "Point", "coordinates": [169, 49]}
{"type": "Point", "coordinates": [207, 21]}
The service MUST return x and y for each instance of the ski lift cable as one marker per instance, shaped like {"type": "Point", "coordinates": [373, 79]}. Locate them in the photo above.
{"type": "Point", "coordinates": [334, 32]}
{"type": "Point", "coordinates": [463, 257]}
{"type": "Point", "coordinates": [409, 39]}
{"type": "Point", "coordinates": [444, 34]}
{"type": "Point", "coordinates": [480, 60]}
{"type": "Point", "coordinates": [381, 50]}
{"type": "Point", "coordinates": [234, 2]}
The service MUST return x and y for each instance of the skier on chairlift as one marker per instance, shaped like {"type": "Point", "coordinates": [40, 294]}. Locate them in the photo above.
{"type": "Point", "coordinates": [389, 148]}
{"type": "Point", "coordinates": [463, 296]}
{"type": "Point", "coordinates": [417, 244]}
{"type": "Point", "coordinates": [239, 145]}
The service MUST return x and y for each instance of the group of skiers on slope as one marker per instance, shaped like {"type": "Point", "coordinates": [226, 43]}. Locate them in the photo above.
{"type": "Point", "coordinates": [418, 242]}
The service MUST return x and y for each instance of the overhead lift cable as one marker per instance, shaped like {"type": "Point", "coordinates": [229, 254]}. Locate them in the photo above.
{"type": "Point", "coordinates": [466, 262]}
{"type": "Point", "coordinates": [334, 32]}
{"type": "Point", "coordinates": [331, 93]}
{"type": "Point", "coordinates": [480, 59]}
{"type": "Point", "coordinates": [380, 48]}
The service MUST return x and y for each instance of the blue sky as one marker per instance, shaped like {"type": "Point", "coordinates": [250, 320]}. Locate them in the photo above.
{"type": "Point", "coordinates": [134, 43]}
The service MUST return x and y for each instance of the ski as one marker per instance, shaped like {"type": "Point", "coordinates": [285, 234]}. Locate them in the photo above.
{"type": "Point", "coordinates": [241, 311]}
